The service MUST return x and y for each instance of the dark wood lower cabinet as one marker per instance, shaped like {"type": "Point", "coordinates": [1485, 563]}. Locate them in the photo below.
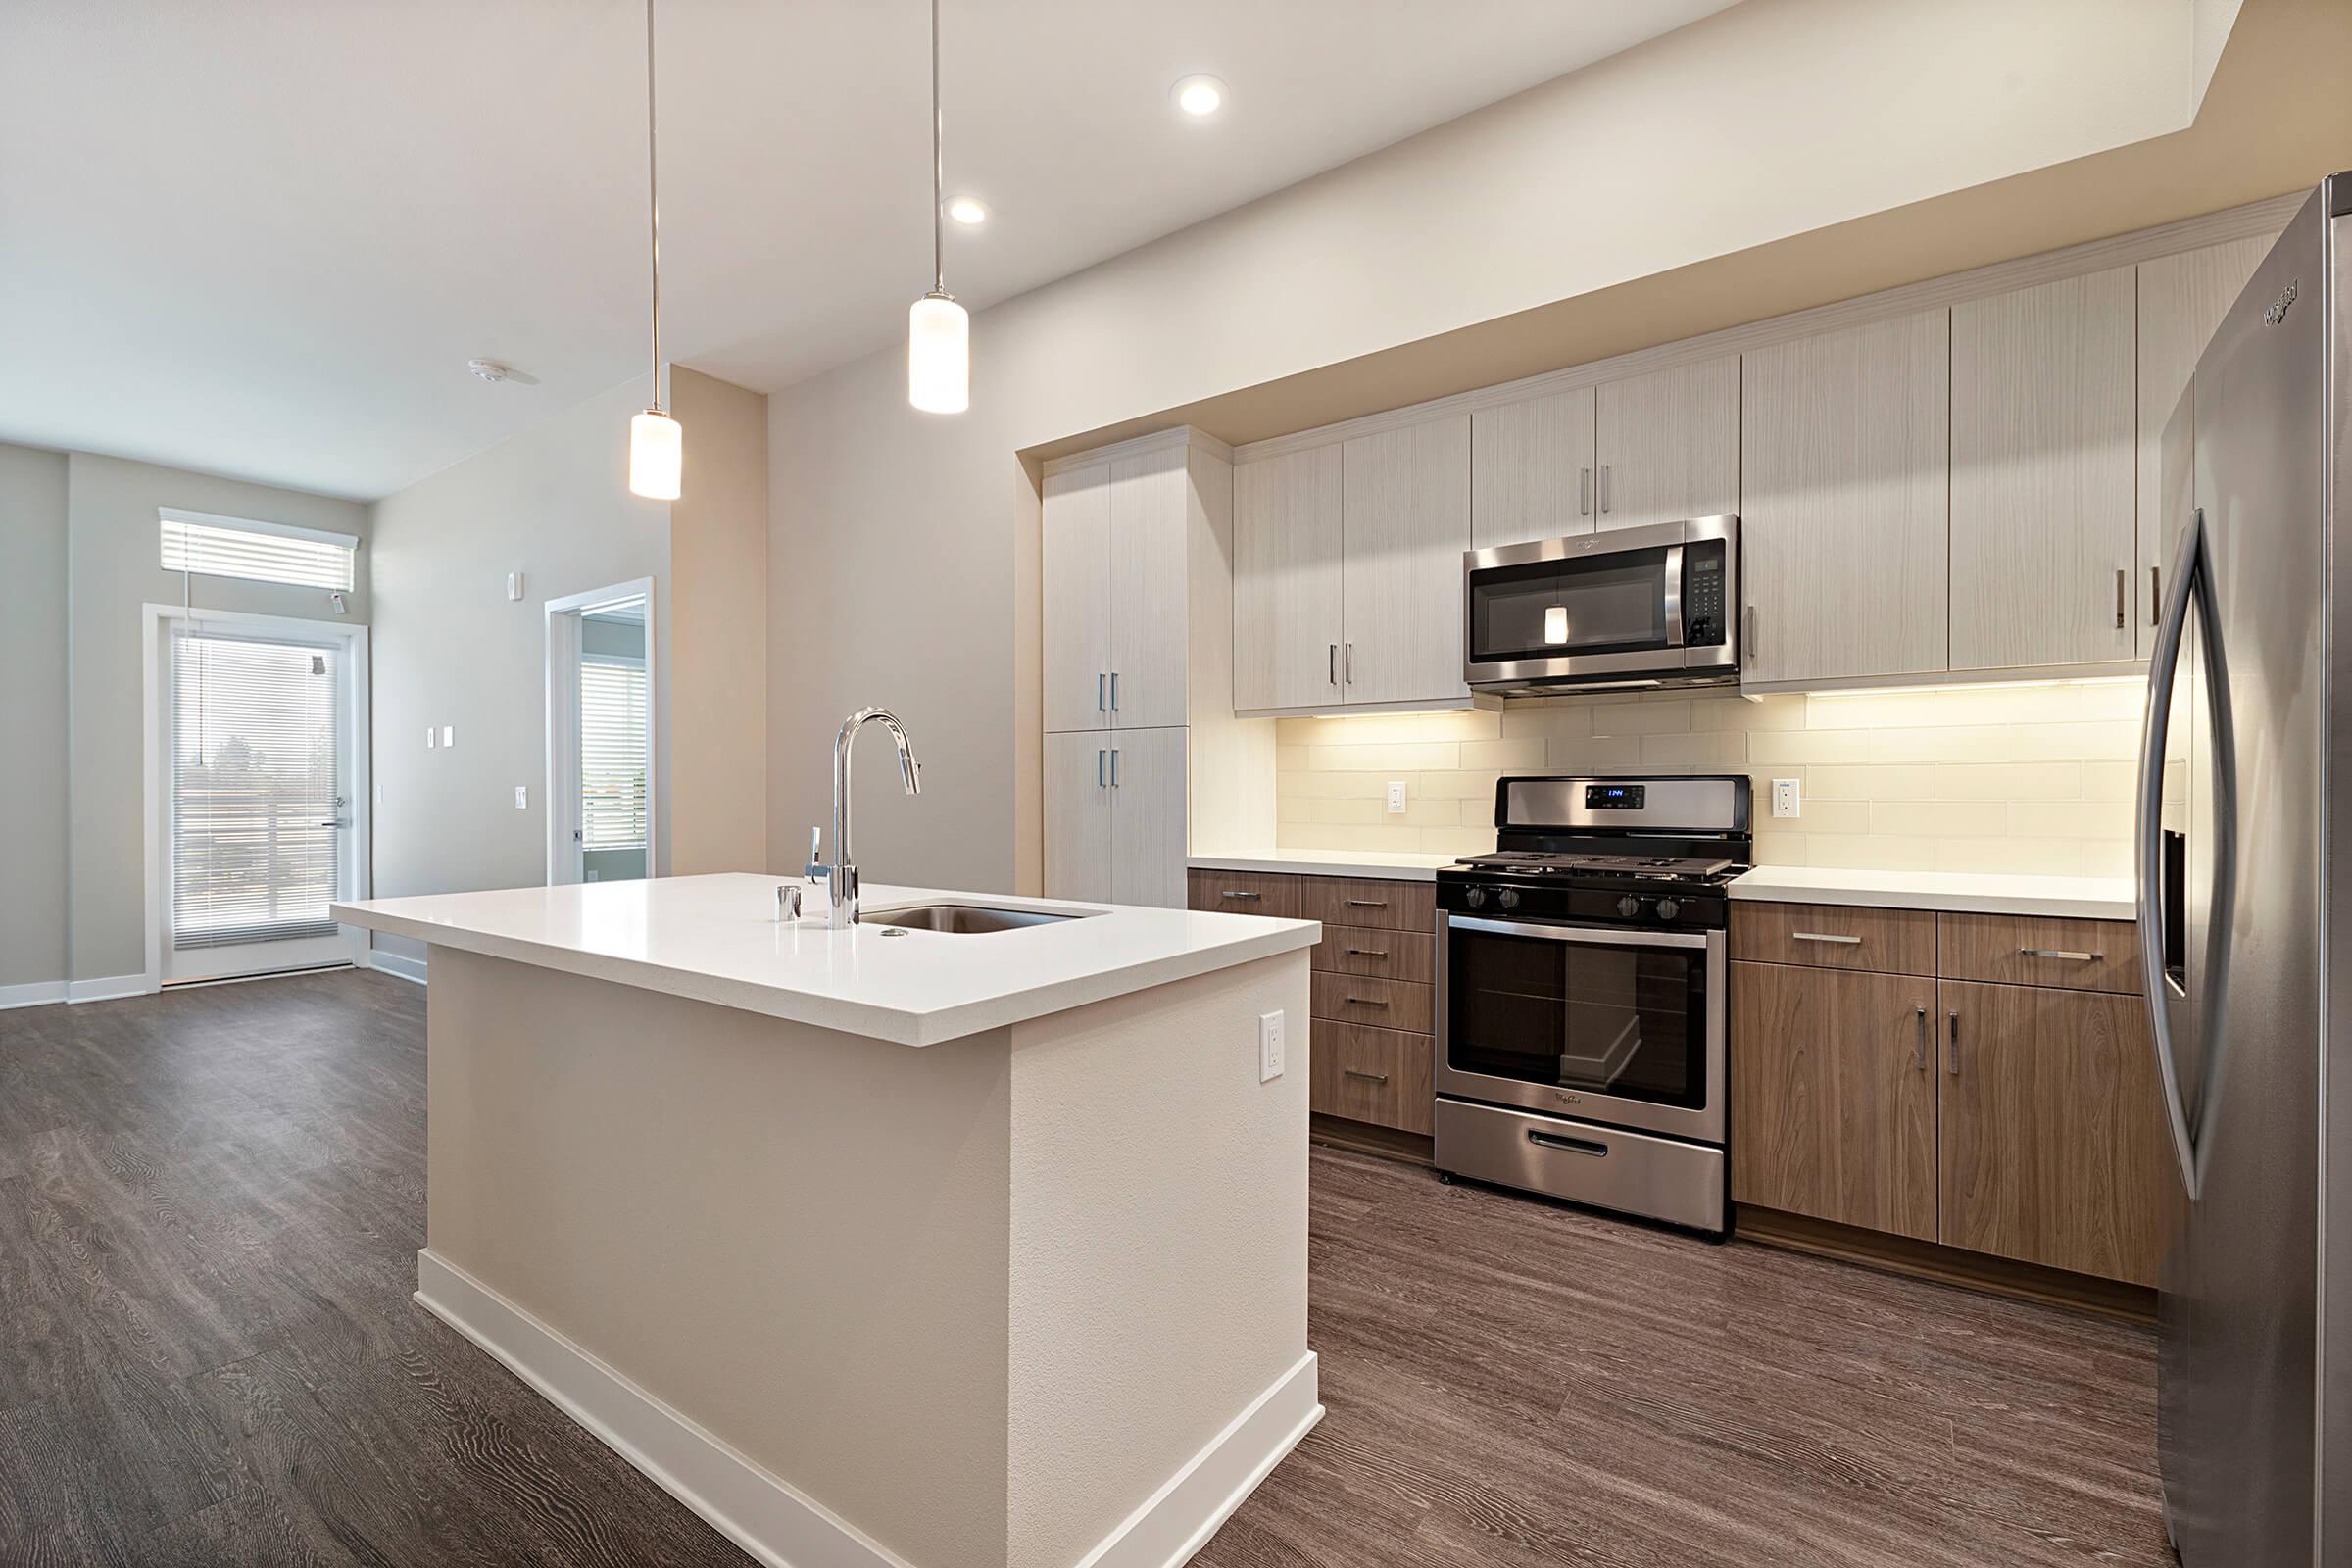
{"type": "Point", "coordinates": [1834, 1095]}
{"type": "Point", "coordinates": [2055, 1143]}
{"type": "Point", "coordinates": [1380, 1076]}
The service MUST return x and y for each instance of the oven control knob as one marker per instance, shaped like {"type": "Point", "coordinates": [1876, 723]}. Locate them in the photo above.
{"type": "Point", "coordinates": [1508, 898]}
{"type": "Point", "coordinates": [1629, 906]}
{"type": "Point", "coordinates": [1668, 908]}
{"type": "Point", "coordinates": [1474, 897]}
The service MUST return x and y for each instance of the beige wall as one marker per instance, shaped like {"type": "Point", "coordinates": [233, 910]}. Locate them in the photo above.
{"type": "Point", "coordinates": [718, 630]}
{"type": "Point", "coordinates": [450, 647]}
{"type": "Point", "coordinates": [32, 650]}
{"type": "Point", "coordinates": [903, 545]}
{"type": "Point", "coordinates": [1995, 778]}
{"type": "Point", "coordinates": [111, 569]}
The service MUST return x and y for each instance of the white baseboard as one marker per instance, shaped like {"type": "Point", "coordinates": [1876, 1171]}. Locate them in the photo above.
{"type": "Point", "coordinates": [1177, 1519]}
{"type": "Point", "coordinates": [757, 1510]}
{"type": "Point", "coordinates": [399, 965]}
{"type": "Point", "coordinates": [32, 994]}
{"type": "Point", "coordinates": [113, 986]}
{"type": "Point", "coordinates": [768, 1518]}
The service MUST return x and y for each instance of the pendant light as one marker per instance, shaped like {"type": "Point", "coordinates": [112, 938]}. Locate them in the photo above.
{"type": "Point", "coordinates": [657, 444]}
{"type": "Point", "coordinates": [939, 332]}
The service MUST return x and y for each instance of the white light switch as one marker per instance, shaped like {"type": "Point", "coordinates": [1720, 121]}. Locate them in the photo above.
{"type": "Point", "coordinates": [522, 798]}
{"type": "Point", "coordinates": [513, 585]}
{"type": "Point", "coordinates": [1269, 1047]}
{"type": "Point", "coordinates": [449, 734]}
{"type": "Point", "coordinates": [1785, 802]}
{"type": "Point", "coordinates": [1395, 796]}
{"type": "Point", "coordinates": [432, 737]}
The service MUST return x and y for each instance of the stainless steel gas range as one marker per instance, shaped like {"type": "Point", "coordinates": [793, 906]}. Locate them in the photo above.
{"type": "Point", "coordinates": [1581, 977]}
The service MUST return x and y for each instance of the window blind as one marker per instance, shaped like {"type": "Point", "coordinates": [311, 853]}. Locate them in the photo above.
{"type": "Point", "coordinates": [262, 551]}
{"type": "Point", "coordinates": [612, 754]}
{"type": "Point", "coordinates": [253, 789]}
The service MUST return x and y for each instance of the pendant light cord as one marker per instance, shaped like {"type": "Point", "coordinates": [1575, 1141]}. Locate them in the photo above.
{"type": "Point", "coordinates": [939, 167]}
{"type": "Point", "coordinates": [653, 201]}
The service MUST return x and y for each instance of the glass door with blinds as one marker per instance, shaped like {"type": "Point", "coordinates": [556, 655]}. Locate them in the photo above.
{"type": "Point", "coordinates": [603, 816]}
{"type": "Point", "coordinates": [257, 737]}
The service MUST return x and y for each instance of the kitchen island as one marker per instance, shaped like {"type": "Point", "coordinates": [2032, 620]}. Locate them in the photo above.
{"type": "Point", "coordinates": [880, 1246]}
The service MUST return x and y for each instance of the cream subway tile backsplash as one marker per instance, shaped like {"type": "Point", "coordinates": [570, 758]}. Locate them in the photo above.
{"type": "Point", "coordinates": [2022, 778]}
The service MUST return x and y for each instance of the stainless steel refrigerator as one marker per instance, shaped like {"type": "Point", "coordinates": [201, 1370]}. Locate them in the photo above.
{"type": "Point", "coordinates": [2246, 916]}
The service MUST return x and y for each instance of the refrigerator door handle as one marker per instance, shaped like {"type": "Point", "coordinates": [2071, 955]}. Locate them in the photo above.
{"type": "Point", "coordinates": [2193, 580]}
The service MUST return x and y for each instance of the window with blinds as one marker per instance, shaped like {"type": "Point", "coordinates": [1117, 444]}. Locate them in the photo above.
{"type": "Point", "coordinates": [255, 788]}
{"type": "Point", "coordinates": [612, 754]}
{"type": "Point", "coordinates": [261, 552]}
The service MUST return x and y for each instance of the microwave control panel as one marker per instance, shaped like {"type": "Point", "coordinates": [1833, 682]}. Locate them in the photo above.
{"type": "Point", "coordinates": [1704, 623]}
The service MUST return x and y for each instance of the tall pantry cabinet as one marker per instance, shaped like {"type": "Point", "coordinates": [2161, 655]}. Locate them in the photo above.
{"type": "Point", "coordinates": [1136, 550]}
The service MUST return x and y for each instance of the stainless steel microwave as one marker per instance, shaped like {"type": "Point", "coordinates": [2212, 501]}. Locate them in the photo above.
{"type": "Point", "coordinates": [1627, 607]}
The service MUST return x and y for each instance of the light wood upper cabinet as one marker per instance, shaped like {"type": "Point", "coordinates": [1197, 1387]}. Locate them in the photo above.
{"type": "Point", "coordinates": [2183, 299]}
{"type": "Point", "coordinates": [1844, 527]}
{"type": "Point", "coordinates": [1407, 522]}
{"type": "Point", "coordinates": [1833, 1103]}
{"type": "Point", "coordinates": [1074, 570]}
{"type": "Point", "coordinates": [1667, 445]}
{"type": "Point", "coordinates": [1287, 617]}
{"type": "Point", "coordinates": [1147, 817]}
{"type": "Point", "coordinates": [1531, 470]}
{"type": "Point", "coordinates": [2043, 531]}
{"type": "Point", "coordinates": [1078, 815]}
{"type": "Point", "coordinates": [2054, 1141]}
{"type": "Point", "coordinates": [1148, 540]}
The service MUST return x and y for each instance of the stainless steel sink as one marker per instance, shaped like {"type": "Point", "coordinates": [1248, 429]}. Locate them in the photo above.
{"type": "Point", "coordinates": [968, 919]}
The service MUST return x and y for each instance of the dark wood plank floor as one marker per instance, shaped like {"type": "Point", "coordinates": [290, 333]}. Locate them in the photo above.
{"type": "Point", "coordinates": [210, 1202]}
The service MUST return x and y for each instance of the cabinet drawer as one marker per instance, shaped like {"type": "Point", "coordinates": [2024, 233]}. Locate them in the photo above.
{"type": "Point", "coordinates": [1830, 936]}
{"type": "Point", "coordinates": [1264, 893]}
{"type": "Point", "coordinates": [1361, 998]}
{"type": "Point", "coordinates": [1365, 1074]}
{"type": "Point", "coordinates": [1389, 905]}
{"type": "Point", "coordinates": [2039, 950]}
{"type": "Point", "coordinates": [1381, 955]}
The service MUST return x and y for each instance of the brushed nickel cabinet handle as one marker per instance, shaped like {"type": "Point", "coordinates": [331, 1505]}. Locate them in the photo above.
{"type": "Point", "coordinates": [1114, 767]}
{"type": "Point", "coordinates": [1115, 691]}
{"type": "Point", "coordinates": [1368, 1077]}
{"type": "Point", "coordinates": [1951, 1060]}
{"type": "Point", "coordinates": [1823, 936]}
{"type": "Point", "coordinates": [1099, 678]}
{"type": "Point", "coordinates": [1604, 487]}
{"type": "Point", "coordinates": [1919, 1046]}
{"type": "Point", "coordinates": [2059, 953]}
{"type": "Point", "coordinates": [1238, 892]}
{"type": "Point", "coordinates": [1348, 663]}
{"type": "Point", "coordinates": [2119, 598]}
{"type": "Point", "coordinates": [1367, 903]}
{"type": "Point", "coordinates": [1367, 1002]}
{"type": "Point", "coordinates": [1332, 664]}
{"type": "Point", "coordinates": [1747, 633]}
{"type": "Point", "coordinates": [1367, 953]}
{"type": "Point", "coordinates": [2155, 595]}
{"type": "Point", "coordinates": [1102, 761]}
{"type": "Point", "coordinates": [1583, 492]}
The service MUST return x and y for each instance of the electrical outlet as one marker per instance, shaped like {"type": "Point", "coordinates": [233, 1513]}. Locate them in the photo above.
{"type": "Point", "coordinates": [1269, 1047]}
{"type": "Point", "coordinates": [1395, 796]}
{"type": "Point", "coordinates": [1785, 802]}
{"type": "Point", "coordinates": [522, 798]}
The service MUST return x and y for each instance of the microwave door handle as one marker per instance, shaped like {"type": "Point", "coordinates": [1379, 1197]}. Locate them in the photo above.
{"type": "Point", "coordinates": [1674, 596]}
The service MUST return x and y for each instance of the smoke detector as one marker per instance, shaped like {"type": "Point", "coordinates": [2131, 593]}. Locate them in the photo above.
{"type": "Point", "coordinates": [490, 371]}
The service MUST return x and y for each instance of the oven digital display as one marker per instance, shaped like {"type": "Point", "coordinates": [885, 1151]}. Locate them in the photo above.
{"type": "Point", "coordinates": [1614, 796]}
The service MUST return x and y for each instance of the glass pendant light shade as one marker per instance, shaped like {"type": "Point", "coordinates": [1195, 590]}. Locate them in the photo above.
{"type": "Point", "coordinates": [657, 454]}
{"type": "Point", "coordinates": [939, 356]}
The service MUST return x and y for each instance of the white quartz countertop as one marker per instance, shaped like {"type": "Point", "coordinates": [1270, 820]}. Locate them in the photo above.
{"type": "Point", "coordinates": [714, 939]}
{"type": "Point", "coordinates": [1395, 867]}
{"type": "Point", "coordinates": [2094, 898]}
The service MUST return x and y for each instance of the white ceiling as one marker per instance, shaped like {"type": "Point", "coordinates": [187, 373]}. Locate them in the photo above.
{"type": "Point", "coordinates": [262, 237]}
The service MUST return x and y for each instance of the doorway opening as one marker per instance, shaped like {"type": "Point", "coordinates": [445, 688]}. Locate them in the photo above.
{"type": "Point", "coordinates": [600, 735]}
{"type": "Point", "coordinates": [257, 793]}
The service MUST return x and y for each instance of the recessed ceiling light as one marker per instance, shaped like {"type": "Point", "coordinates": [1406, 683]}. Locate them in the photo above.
{"type": "Point", "coordinates": [967, 209]}
{"type": "Point", "coordinates": [1200, 96]}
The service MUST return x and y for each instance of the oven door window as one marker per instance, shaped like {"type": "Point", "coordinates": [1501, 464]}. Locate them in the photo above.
{"type": "Point", "coordinates": [1572, 1009]}
{"type": "Point", "coordinates": [1611, 604]}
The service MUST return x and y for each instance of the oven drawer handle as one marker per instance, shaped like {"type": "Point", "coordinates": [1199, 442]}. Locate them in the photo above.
{"type": "Point", "coordinates": [1574, 1146]}
{"type": "Point", "coordinates": [2059, 953]}
{"type": "Point", "coordinates": [1368, 1077]}
{"type": "Point", "coordinates": [1823, 936]}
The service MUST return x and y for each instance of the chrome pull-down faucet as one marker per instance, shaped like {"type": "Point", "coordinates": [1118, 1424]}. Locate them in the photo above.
{"type": "Point", "coordinates": [841, 877]}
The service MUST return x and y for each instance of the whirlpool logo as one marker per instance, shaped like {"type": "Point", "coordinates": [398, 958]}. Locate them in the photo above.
{"type": "Point", "coordinates": [2281, 304]}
